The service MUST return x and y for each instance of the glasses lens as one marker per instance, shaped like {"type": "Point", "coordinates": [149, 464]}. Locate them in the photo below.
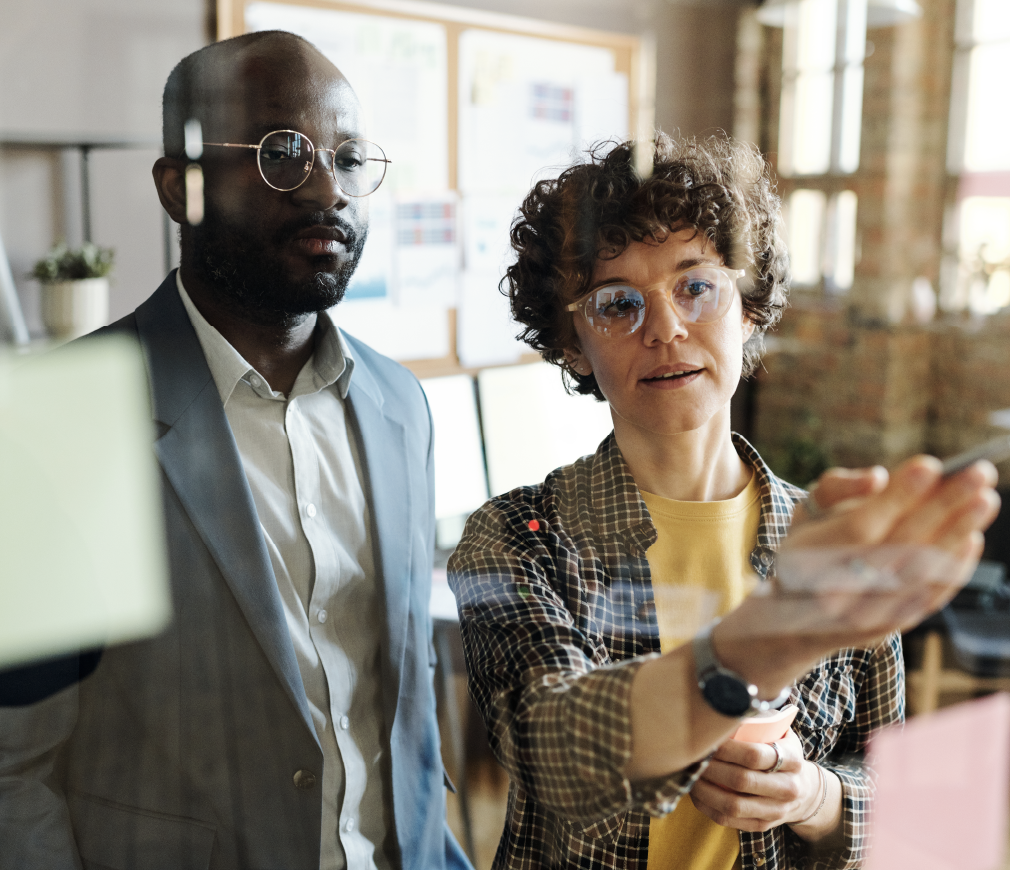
{"type": "Point", "coordinates": [285, 159]}
{"type": "Point", "coordinates": [616, 309]}
{"type": "Point", "coordinates": [703, 295]}
{"type": "Point", "coordinates": [359, 167]}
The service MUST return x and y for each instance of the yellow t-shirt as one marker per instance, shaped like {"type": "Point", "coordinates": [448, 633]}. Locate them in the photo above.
{"type": "Point", "coordinates": [700, 566]}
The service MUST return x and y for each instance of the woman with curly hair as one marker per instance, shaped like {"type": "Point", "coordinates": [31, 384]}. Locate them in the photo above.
{"type": "Point", "coordinates": [590, 604]}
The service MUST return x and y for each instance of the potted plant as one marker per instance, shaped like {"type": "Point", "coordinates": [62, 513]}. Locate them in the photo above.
{"type": "Point", "coordinates": [75, 289]}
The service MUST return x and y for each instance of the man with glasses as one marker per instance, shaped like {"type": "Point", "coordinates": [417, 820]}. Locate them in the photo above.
{"type": "Point", "coordinates": [286, 719]}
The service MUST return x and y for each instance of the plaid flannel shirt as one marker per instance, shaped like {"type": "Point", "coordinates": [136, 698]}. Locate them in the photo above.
{"type": "Point", "coordinates": [555, 623]}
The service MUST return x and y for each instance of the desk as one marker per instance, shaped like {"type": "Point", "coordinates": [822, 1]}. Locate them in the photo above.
{"type": "Point", "coordinates": [976, 629]}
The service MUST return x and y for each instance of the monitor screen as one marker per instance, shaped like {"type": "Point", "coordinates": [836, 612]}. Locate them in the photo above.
{"type": "Point", "coordinates": [460, 479]}
{"type": "Point", "coordinates": [532, 426]}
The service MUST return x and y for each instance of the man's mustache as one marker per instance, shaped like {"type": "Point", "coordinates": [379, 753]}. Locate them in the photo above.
{"type": "Point", "coordinates": [318, 219]}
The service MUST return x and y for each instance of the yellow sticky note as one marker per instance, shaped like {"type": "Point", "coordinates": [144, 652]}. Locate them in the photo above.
{"type": "Point", "coordinates": [82, 551]}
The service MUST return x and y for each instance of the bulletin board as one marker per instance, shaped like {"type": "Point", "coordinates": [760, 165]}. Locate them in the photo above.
{"type": "Point", "coordinates": [472, 108]}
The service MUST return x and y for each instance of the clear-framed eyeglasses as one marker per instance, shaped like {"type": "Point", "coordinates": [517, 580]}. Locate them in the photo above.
{"type": "Point", "coordinates": [286, 158]}
{"type": "Point", "coordinates": [701, 294]}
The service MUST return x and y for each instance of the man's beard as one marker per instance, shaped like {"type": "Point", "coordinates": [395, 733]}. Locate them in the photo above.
{"type": "Point", "coordinates": [242, 270]}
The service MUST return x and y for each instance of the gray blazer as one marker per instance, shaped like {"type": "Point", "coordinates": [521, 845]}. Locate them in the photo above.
{"type": "Point", "coordinates": [182, 751]}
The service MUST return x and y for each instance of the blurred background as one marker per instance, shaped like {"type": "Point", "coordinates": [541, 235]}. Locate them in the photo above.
{"type": "Point", "coordinates": [887, 123]}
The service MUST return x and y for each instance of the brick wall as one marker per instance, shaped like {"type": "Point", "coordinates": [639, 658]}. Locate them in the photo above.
{"type": "Point", "coordinates": [865, 394]}
{"type": "Point", "coordinates": [970, 379]}
{"type": "Point", "coordinates": [861, 394]}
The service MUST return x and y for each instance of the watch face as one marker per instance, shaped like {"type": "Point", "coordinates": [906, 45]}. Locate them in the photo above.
{"type": "Point", "coordinates": [727, 695]}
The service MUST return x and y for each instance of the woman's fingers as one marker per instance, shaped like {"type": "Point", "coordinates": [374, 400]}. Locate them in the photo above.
{"type": "Point", "coordinates": [738, 789]}
{"type": "Point", "coordinates": [840, 485]}
{"type": "Point", "coordinates": [958, 506]}
{"type": "Point", "coordinates": [917, 507]}
{"type": "Point", "coordinates": [742, 812]}
{"type": "Point", "coordinates": [871, 520]}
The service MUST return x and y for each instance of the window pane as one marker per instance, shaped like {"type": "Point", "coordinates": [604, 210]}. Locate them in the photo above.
{"type": "Point", "coordinates": [805, 220]}
{"type": "Point", "coordinates": [987, 145]}
{"type": "Point", "coordinates": [985, 228]}
{"type": "Point", "coordinates": [841, 248]}
{"type": "Point", "coordinates": [852, 119]}
{"type": "Point", "coordinates": [985, 241]}
{"type": "Point", "coordinates": [992, 19]}
{"type": "Point", "coordinates": [812, 123]}
{"type": "Point", "coordinates": [816, 35]}
{"type": "Point", "coordinates": [855, 31]}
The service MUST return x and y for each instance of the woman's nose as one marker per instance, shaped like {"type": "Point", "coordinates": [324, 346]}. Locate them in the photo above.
{"type": "Point", "coordinates": [663, 322]}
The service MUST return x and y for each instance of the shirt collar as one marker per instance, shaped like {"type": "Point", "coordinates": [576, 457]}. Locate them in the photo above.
{"type": "Point", "coordinates": [619, 507]}
{"type": "Point", "coordinates": [332, 361]}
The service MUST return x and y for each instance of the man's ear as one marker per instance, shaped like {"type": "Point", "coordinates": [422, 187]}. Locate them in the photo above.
{"type": "Point", "coordinates": [170, 180]}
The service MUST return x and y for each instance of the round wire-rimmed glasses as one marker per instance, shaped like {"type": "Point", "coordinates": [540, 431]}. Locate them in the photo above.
{"type": "Point", "coordinates": [701, 294]}
{"type": "Point", "coordinates": [286, 158]}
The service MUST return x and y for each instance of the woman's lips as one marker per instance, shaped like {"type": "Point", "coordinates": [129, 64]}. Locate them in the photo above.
{"type": "Point", "coordinates": [672, 380]}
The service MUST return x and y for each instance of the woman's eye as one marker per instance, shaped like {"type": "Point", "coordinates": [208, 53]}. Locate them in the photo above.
{"type": "Point", "coordinates": [695, 289]}
{"type": "Point", "coordinates": [623, 307]}
{"type": "Point", "coordinates": [274, 155]}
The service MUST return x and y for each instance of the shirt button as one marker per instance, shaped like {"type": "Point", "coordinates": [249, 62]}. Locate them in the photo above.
{"type": "Point", "coordinates": [310, 510]}
{"type": "Point", "coordinates": [321, 616]}
{"type": "Point", "coordinates": [348, 826]}
{"type": "Point", "coordinates": [255, 381]}
{"type": "Point", "coordinates": [759, 861]}
{"type": "Point", "coordinates": [345, 723]}
{"type": "Point", "coordinates": [304, 780]}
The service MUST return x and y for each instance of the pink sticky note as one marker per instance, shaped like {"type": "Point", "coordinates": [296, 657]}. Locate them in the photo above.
{"type": "Point", "coordinates": [942, 790]}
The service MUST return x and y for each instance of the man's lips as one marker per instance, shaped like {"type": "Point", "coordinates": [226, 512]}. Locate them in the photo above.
{"type": "Point", "coordinates": [321, 240]}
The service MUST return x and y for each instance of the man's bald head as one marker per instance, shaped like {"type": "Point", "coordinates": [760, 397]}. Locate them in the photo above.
{"type": "Point", "coordinates": [213, 81]}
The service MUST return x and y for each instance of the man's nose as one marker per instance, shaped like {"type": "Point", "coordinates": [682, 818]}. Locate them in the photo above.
{"type": "Point", "coordinates": [320, 190]}
{"type": "Point", "coordinates": [663, 321]}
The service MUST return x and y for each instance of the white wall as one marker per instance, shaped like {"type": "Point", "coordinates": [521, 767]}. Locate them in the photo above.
{"type": "Point", "coordinates": [85, 69]}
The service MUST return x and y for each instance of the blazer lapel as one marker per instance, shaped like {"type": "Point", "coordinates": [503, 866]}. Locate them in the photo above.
{"type": "Point", "coordinates": [382, 443]}
{"type": "Point", "coordinates": [198, 455]}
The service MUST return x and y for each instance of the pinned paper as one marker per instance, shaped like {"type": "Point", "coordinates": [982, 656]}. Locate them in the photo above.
{"type": "Point", "coordinates": [82, 554]}
{"type": "Point", "coordinates": [942, 788]}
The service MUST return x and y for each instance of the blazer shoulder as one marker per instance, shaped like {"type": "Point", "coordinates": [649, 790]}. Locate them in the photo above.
{"type": "Point", "coordinates": [393, 380]}
{"type": "Point", "coordinates": [124, 326]}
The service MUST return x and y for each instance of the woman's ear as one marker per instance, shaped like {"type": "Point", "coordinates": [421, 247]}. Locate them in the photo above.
{"type": "Point", "coordinates": [748, 328]}
{"type": "Point", "coordinates": [577, 362]}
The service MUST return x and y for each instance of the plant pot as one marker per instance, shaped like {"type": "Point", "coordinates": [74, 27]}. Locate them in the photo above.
{"type": "Point", "coordinates": [74, 308]}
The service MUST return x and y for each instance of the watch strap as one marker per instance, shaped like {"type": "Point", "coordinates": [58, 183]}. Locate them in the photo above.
{"type": "Point", "coordinates": [707, 665]}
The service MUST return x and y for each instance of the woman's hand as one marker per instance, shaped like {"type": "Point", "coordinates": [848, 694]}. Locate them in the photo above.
{"type": "Point", "coordinates": [879, 561]}
{"type": "Point", "coordinates": [874, 564]}
{"type": "Point", "coordinates": [839, 489]}
{"type": "Point", "coordinates": [739, 790]}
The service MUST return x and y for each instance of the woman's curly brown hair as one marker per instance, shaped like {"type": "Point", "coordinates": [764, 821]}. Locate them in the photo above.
{"type": "Point", "coordinates": [717, 186]}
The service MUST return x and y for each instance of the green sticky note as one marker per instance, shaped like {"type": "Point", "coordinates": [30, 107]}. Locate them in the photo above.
{"type": "Point", "coordinates": [82, 550]}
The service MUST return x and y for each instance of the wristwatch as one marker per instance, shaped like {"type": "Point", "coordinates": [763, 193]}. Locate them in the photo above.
{"type": "Point", "coordinates": [726, 691]}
